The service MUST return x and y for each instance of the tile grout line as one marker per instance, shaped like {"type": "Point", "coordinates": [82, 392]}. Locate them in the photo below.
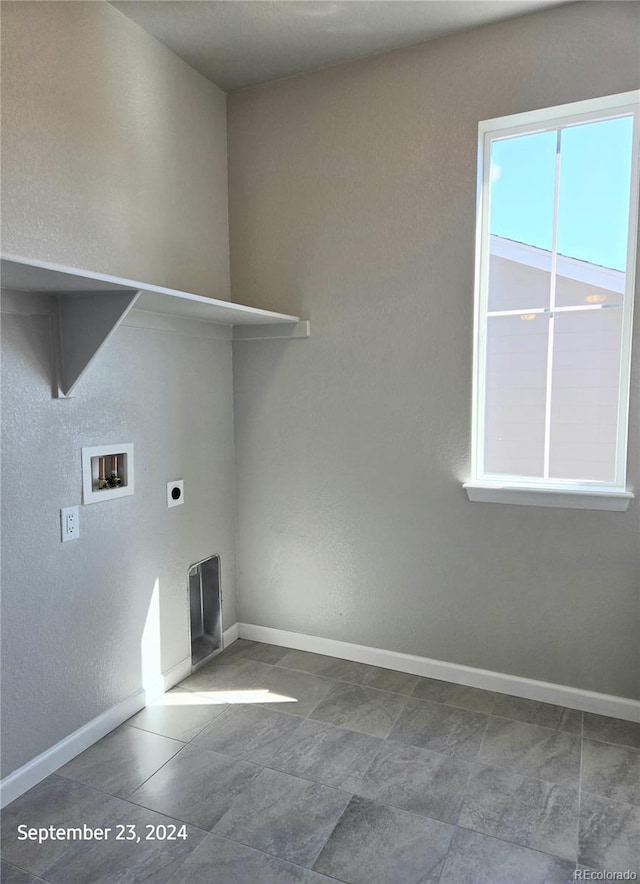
{"type": "Point", "coordinates": [615, 745]}
{"type": "Point", "coordinates": [545, 727]}
{"type": "Point", "coordinates": [128, 801]}
{"type": "Point", "coordinates": [445, 858]}
{"type": "Point", "coordinates": [178, 739]}
{"type": "Point", "coordinates": [339, 680]}
{"type": "Point", "coordinates": [514, 844]}
{"type": "Point", "coordinates": [272, 855]}
{"type": "Point", "coordinates": [250, 847]}
{"type": "Point", "coordinates": [146, 779]}
{"type": "Point", "coordinates": [278, 770]}
{"type": "Point", "coordinates": [137, 727]}
{"type": "Point", "coordinates": [476, 760]}
{"type": "Point", "coordinates": [402, 708]}
{"type": "Point", "coordinates": [229, 706]}
{"type": "Point", "coordinates": [35, 877]}
{"type": "Point", "coordinates": [457, 825]}
{"type": "Point", "coordinates": [184, 822]}
{"type": "Point", "coordinates": [506, 840]}
{"type": "Point", "coordinates": [337, 823]}
{"type": "Point", "coordinates": [611, 800]}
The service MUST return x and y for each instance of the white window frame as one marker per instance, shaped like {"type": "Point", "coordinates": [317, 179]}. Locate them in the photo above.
{"type": "Point", "coordinates": [536, 491]}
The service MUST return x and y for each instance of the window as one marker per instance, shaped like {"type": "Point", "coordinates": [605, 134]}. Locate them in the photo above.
{"type": "Point", "coordinates": [556, 246]}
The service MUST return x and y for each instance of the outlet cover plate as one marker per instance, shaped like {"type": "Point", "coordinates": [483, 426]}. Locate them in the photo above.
{"type": "Point", "coordinates": [69, 523]}
{"type": "Point", "coordinates": [175, 492]}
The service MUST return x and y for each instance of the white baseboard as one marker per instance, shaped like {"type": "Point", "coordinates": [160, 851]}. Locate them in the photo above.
{"type": "Point", "coordinates": [30, 774]}
{"type": "Point", "coordinates": [500, 682]}
{"type": "Point", "coordinates": [230, 635]}
{"type": "Point", "coordinates": [176, 674]}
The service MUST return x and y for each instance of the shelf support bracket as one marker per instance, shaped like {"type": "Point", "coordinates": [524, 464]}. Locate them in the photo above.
{"type": "Point", "coordinates": [85, 322]}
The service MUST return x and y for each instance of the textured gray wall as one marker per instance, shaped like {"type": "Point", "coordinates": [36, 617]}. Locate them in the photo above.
{"type": "Point", "coordinates": [113, 149]}
{"type": "Point", "coordinates": [352, 201]}
{"type": "Point", "coordinates": [114, 160]}
{"type": "Point", "coordinates": [73, 614]}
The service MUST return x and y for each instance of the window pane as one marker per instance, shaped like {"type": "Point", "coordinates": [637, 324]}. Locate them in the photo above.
{"type": "Point", "coordinates": [573, 289]}
{"type": "Point", "coordinates": [595, 177]}
{"type": "Point", "coordinates": [584, 395]}
{"type": "Point", "coordinates": [515, 285]}
{"type": "Point", "coordinates": [515, 394]}
{"type": "Point", "coordinates": [521, 220]}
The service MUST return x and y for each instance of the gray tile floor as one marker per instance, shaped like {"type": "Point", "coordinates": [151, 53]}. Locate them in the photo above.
{"type": "Point", "coordinates": [270, 765]}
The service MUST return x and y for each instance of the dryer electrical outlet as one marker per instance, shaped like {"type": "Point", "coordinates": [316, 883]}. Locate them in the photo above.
{"type": "Point", "coordinates": [175, 492]}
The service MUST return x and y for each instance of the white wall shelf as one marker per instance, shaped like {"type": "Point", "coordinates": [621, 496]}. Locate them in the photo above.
{"type": "Point", "coordinates": [91, 306]}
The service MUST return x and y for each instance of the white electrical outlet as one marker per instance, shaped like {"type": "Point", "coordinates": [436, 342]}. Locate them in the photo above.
{"type": "Point", "coordinates": [175, 492]}
{"type": "Point", "coordinates": [70, 523]}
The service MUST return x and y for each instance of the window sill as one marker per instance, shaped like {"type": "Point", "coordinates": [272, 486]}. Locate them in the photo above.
{"type": "Point", "coordinates": [577, 499]}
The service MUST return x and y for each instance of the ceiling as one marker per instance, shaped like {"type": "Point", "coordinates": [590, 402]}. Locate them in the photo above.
{"type": "Point", "coordinates": [240, 43]}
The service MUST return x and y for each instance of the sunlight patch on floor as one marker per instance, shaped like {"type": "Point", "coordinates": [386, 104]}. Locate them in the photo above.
{"type": "Point", "coordinates": [216, 698]}
{"type": "Point", "coordinates": [255, 696]}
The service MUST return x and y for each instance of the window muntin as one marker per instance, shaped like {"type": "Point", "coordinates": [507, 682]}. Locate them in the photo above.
{"type": "Point", "coordinates": [553, 296]}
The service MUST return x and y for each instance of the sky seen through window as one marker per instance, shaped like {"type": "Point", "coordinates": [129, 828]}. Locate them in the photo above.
{"type": "Point", "coordinates": [594, 190]}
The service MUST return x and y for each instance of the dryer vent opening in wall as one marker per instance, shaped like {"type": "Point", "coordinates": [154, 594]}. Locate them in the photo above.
{"type": "Point", "coordinates": [204, 607]}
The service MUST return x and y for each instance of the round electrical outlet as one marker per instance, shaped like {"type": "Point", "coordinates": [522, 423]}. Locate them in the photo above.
{"type": "Point", "coordinates": [175, 492]}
